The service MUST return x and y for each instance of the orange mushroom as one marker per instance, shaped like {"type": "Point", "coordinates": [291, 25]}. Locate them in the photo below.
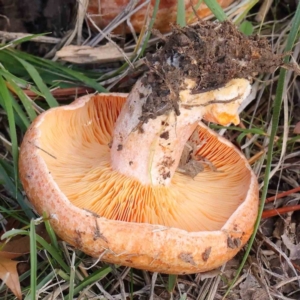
{"type": "Point", "coordinates": [138, 212]}
{"type": "Point", "coordinates": [138, 179]}
{"type": "Point", "coordinates": [104, 11]}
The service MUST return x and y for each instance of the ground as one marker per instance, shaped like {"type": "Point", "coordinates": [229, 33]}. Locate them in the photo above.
{"type": "Point", "coordinates": [272, 268]}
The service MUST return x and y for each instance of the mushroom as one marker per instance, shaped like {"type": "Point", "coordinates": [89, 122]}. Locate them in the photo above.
{"type": "Point", "coordinates": [139, 179]}
{"type": "Point", "coordinates": [127, 204]}
{"type": "Point", "coordinates": [104, 11]}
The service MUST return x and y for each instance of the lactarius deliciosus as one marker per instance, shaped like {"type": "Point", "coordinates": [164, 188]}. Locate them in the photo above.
{"type": "Point", "coordinates": [104, 11]}
{"type": "Point", "coordinates": [139, 179]}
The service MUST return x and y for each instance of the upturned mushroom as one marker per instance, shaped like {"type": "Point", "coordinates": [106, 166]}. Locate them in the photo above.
{"type": "Point", "coordinates": [139, 180]}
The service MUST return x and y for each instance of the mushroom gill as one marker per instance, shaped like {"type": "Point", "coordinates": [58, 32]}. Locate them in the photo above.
{"type": "Point", "coordinates": [78, 158]}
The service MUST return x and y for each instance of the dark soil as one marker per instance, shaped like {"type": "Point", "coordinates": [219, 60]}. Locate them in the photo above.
{"type": "Point", "coordinates": [55, 17]}
{"type": "Point", "coordinates": [37, 16]}
{"type": "Point", "coordinates": [221, 53]}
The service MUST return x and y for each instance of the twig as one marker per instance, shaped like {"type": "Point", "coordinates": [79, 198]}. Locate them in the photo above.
{"type": "Point", "coordinates": [129, 10]}
{"type": "Point", "coordinates": [263, 10]}
{"type": "Point", "coordinates": [283, 194]}
{"type": "Point", "coordinates": [81, 12]}
{"type": "Point", "coordinates": [62, 92]}
{"type": "Point", "coordinates": [103, 34]}
{"type": "Point", "coordinates": [120, 279]}
{"type": "Point", "coordinates": [154, 277]}
{"type": "Point", "coordinates": [277, 211]}
{"type": "Point", "coordinates": [19, 35]}
{"type": "Point", "coordinates": [256, 156]}
{"type": "Point", "coordinates": [274, 247]}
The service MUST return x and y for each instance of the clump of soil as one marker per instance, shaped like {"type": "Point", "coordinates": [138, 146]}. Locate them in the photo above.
{"type": "Point", "coordinates": [210, 53]}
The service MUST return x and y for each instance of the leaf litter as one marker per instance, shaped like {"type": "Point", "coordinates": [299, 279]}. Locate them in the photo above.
{"type": "Point", "coordinates": [11, 249]}
{"type": "Point", "coordinates": [269, 268]}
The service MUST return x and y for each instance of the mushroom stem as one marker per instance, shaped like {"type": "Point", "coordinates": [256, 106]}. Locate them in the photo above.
{"type": "Point", "coordinates": [150, 151]}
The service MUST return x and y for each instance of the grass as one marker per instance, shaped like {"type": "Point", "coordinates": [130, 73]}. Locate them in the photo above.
{"type": "Point", "coordinates": [54, 268]}
{"type": "Point", "coordinates": [275, 121]}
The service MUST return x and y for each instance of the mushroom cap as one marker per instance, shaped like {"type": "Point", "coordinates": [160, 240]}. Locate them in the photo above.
{"type": "Point", "coordinates": [192, 225]}
{"type": "Point", "coordinates": [104, 11]}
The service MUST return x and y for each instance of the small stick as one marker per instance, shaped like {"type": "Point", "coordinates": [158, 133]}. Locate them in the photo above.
{"type": "Point", "coordinates": [283, 194]}
{"type": "Point", "coordinates": [255, 157]}
{"type": "Point", "coordinates": [19, 35]}
{"type": "Point", "coordinates": [266, 5]}
{"type": "Point", "coordinates": [297, 267]}
{"type": "Point", "coordinates": [60, 92]}
{"type": "Point", "coordinates": [277, 211]}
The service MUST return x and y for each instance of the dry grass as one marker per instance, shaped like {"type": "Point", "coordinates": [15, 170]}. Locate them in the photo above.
{"type": "Point", "coordinates": [273, 266]}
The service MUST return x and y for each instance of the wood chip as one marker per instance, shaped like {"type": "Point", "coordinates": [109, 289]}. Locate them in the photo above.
{"type": "Point", "coordinates": [86, 54]}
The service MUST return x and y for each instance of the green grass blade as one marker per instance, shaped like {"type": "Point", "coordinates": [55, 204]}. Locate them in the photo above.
{"type": "Point", "coordinates": [216, 9]}
{"type": "Point", "coordinates": [24, 99]}
{"type": "Point", "coordinates": [10, 187]}
{"type": "Point", "coordinates": [181, 13]}
{"type": "Point", "coordinates": [50, 232]}
{"type": "Point", "coordinates": [87, 81]}
{"type": "Point", "coordinates": [58, 71]}
{"type": "Point", "coordinates": [19, 81]}
{"type": "Point", "coordinates": [20, 117]}
{"type": "Point", "coordinates": [13, 213]}
{"type": "Point", "coordinates": [47, 278]}
{"type": "Point", "coordinates": [63, 275]}
{"type": "Point", "coordinates": [54, 253]}
{"type": "Point", "coordinates": [33, 260]}
{"type": "Point", "coordinates": [39, 82]}
{"type": "Point", "coordinates": [10, 173]}
{"type": "Point", "coordinates": [97, 275]}
{"type": "Point", "coordinates": [6, 97]}
{"type": "Point", "coordinates": [172, 280]}
{"type": "Point", "coordinates": [155, 10]}
{"type": "Point", "coordinates": [13, 232]}
{"type": "Point", "coordinates": [240, 138]}
{"type": "Point", "coordinates": [275, 121]}
{"type": "Point", "coordinates": [244, 130]}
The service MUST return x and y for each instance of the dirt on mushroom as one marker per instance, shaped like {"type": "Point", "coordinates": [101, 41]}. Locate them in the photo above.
{"type": "Point", "coordinates": [209, 53]}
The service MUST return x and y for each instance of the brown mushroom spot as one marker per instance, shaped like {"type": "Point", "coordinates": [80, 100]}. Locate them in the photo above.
{"type": "Point", "coordinates": [233, 242]}
{"type": "Point", "coordinates": [237, 242]}
{"type": "Point", "coordinates": [206, 254]}
{"type": "Point", "coordinates": [165, 165]}
{"type": "Point", "coordinates": [165, 135]}
{"type": "Point", "coordinates": [188, 258]}
{"type": "Point", "coordinates": [82, 171]}
{"type": "Point", "coordinates": [78, 239]}
{"type": "Point", "coordinates": [230, 243]}
{"type": "Point", "coordinates": [97, 233]}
